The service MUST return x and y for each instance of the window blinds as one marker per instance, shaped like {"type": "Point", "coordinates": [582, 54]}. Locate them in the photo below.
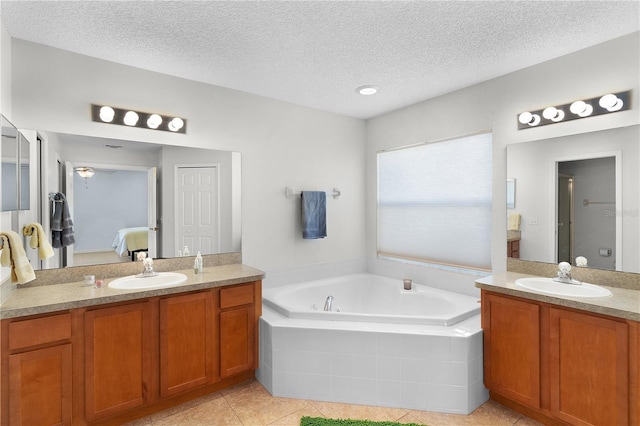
{"type": "Point", "coordinates": [434, 202]}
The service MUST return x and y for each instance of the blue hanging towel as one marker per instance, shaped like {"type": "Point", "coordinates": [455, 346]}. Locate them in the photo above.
{"type": "Point", "coordinates": [314, 214]}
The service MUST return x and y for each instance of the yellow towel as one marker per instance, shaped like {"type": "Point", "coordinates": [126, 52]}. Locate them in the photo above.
{"type": "Point", "coordinates": [13, 255]}
{"type": "Point", "coordinates": [38, 240]}
{"type": "Point", "coordinates": [514, 222]}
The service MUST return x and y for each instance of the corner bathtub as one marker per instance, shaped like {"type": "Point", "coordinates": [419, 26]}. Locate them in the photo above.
{"type": "Point", "coordinates": [386, 346]}
{"type": "Point", "coordinates": [372, 298]}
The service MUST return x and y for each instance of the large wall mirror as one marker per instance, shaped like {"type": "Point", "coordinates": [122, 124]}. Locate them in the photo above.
{"type": "Point", "coordinates": [125, 196]}
{"type": "Point", "coordinates": [15, 165]}
{"type": "Point", "coordinates": [579, 195]}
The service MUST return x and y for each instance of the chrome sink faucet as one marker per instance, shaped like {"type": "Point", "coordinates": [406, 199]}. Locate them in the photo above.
{"type": "Point", "coordinates": [564, 274]}
{"type": "Point", "coordinates": [147, 264]}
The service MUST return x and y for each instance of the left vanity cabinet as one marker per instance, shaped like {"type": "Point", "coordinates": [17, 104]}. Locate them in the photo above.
{"type": "Point", "coordinates": [117, 358]}
{"type": "Point", "coordinates": [112, 363]}
{"type": "Point", "coordinates": [39, 370]}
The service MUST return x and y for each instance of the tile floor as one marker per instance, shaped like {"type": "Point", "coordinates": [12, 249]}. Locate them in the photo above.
{"type": "Point", "coordinates": [249, 404]}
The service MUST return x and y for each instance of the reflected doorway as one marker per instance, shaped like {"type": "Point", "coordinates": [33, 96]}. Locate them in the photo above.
{"type": "Point", "coordinates": [586, 206]}
{"type": "Point", "coordinates": [564, 228]}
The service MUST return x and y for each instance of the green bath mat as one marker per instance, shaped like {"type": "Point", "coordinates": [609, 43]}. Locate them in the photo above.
{"type": "Point", "coordinates": [320, 421]}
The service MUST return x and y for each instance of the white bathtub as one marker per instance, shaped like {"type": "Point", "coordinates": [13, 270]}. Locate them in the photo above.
{"type": "Point", "coordinates": [371, 298]}
{"type": "Point", "coordinates": [425, 353]}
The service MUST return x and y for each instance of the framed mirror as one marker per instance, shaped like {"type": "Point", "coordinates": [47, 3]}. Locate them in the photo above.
{"type": "Point", "coordinates": [115, 211]}
{"type": "Point", "coordinates": [578, 195]}
{"type": "Point", "coordinates": [24, 182]}
{"type": "Point", "coordinates": [9, 152]}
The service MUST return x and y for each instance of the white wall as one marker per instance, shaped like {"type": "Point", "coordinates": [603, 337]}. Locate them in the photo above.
{"type": "Point", "coordinates": [608, 67]}
{"type": "Point", "coordinates": [281, 144]}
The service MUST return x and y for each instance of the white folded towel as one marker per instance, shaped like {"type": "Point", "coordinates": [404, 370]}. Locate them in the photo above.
{"type": "Point", "coordinates": [514, 222]}
{"type": "Point", "coordinates": [38, 240]}
{"type": "Point", "coordinates": [13, 256]}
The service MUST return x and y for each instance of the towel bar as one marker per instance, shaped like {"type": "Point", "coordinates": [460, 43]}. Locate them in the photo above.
{"type": "Point", "coordinates": [289, 193]}
{"type": "Point", "coordinates": [52, 197]}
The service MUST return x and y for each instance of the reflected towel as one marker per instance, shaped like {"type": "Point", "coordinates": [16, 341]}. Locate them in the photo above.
{"type": "Point", "coordinates": [38, 240]}
{"type": "Point", "coordinates": [514, 222]}
{"type": "Point", "coordinates": [314, 214]}
{"type": "Point", "coordinates": [61, 223]}
{"type": "Point", "coordinates": [13, 256]}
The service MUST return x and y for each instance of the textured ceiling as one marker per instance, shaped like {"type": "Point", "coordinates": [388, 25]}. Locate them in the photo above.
{"type": "Point", "coordinates": [315, 53]}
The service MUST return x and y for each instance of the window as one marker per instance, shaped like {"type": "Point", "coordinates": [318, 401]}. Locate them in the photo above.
{"type": "Point", "coordinates": [434, 202]}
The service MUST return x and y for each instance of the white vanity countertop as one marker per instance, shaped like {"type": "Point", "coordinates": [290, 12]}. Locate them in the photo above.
{"type": "Point", "coordinates": [623, 303]}
{"type": "Point", "coordinates": [25, 301]}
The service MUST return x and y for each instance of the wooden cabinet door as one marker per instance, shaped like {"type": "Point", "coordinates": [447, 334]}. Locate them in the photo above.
{"type": "Point", "coordinates": [117, 359]}
{"type": "Point", "coordinates": [237, 341]}
{"type": "Point", "coordinates": [589, 369]}
{"type": "Point", "coordinates": [186, 342]}
{"type": "Point", "coordinates": [512, 348]}
{"type": "Point", "coordinates": [40, 387]}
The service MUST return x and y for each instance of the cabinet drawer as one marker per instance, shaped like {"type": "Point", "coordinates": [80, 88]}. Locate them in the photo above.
{"type": "Point", "coordinates": [236, 296]}
{"type": "Point", "coordinates": [38, 331]}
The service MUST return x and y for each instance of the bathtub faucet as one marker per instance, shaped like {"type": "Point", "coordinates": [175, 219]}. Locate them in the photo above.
{"type": "Point", "coordinates": [328, 303]}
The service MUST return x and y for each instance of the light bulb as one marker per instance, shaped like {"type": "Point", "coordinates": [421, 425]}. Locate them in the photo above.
{"type": "Point", "coordinates": [610, 102]}
{"type": "Point", "coordinates": [554, 114]}
{"type": "Point", "coordinates": [154, 121]}
{"type": "Point", "coordinates": [176, 124]}
{"type": "Point", "coordinates": [528, 118]}
{"type": "Point", "coordinates": [130, 118]}
{"type": "Point", "coordinates": [581, 109]}
{"type": "Point", "coordinates": [106, 114]}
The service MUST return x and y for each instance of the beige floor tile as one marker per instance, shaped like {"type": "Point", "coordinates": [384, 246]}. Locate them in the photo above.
{"type": "Point", "coordinates": [185, 406]}
{"type": "Point", "coordinates": [255, 406]}
{"type": "Point", "coordinates": [337, 410]}
{"type": "Point", "coordinates": [216, 412]}
{"type": "Point", "coordinates": [526, 421]}
{"type": "Point", "coordinates": [140, 422]}
{"type": "Point", "coordinates": [294, 419]}
{"type": "Point", "coordinates": [489, 414]}
{"type": "Point", "coordinates": [409, 418]}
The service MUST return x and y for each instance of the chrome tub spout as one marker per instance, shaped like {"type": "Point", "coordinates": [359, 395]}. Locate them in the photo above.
{"type": "Point", "coordinates": [328, 303]}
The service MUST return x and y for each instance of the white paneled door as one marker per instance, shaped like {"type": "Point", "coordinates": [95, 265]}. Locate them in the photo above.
{"type": "Point", "coordinates": [197, 209]}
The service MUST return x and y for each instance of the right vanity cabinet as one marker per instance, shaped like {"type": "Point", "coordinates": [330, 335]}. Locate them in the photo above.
{"type": "Point", "coordinates": [559, 365]}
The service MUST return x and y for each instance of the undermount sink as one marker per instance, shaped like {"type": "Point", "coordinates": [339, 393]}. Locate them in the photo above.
{"type": "Point", "coordinates": [548, 286]}
{"type": "Point", "coordinates": [137, 282]}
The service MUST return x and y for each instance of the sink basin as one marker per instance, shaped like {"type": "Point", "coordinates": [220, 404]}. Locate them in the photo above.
{"type": "Point", "coordinates": [548, 286]}
{"type": "Point", "coordinates": [163, 279]}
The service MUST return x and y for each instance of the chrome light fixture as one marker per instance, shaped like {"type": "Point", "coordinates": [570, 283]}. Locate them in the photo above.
{"type": "Point", "coordinates": [600, 105]}
{"type": "Point", "coordinates": [131, 118]}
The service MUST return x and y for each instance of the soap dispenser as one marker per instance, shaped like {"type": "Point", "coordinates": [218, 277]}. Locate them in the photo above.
{"type": "Point", "coordinates": [185, 251]}
{"type": "Point", "coordinates": [197, 267]}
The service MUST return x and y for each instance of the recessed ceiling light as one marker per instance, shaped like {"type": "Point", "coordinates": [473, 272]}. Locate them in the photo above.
{"type": "Point", "coordinates": [367, 90]}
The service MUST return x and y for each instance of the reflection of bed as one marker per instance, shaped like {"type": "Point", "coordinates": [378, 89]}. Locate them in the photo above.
{"type": "Point", "coordinates": [131, 240]}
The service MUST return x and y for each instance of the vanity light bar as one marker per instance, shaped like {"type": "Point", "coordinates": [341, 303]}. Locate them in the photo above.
{"type": "Point", "coordinates": [144, 120]}
{"type": "Point", "coordinates": [605, 104]}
